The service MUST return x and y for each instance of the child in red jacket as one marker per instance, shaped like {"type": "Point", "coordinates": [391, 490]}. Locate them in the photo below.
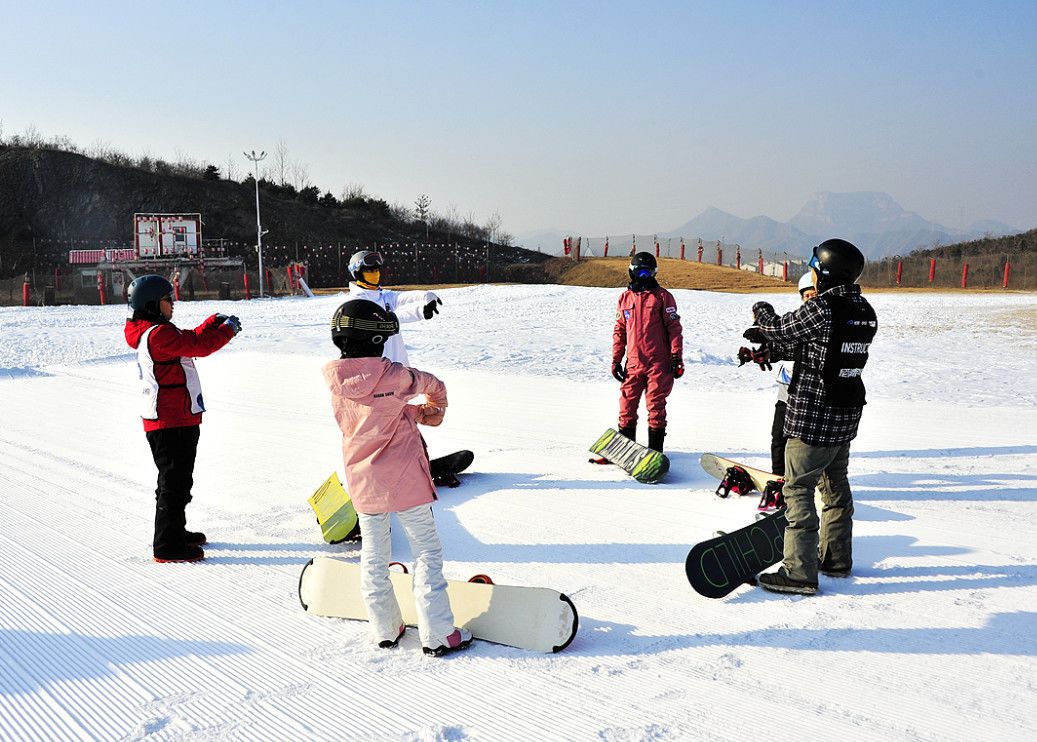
{"type": "Point", "coordinates": [648, 331]}
{"type": "Point", "coordinates": [172, 405]}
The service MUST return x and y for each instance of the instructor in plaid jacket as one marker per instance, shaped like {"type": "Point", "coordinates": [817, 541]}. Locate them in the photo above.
{"type": "Point", "coordinates": [828, 338]}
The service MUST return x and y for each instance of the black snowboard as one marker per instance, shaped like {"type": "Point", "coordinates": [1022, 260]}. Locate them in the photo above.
{"type": "Point", "coordinates": [719, 565]}
{"type": "Point", "coordinates": [446, 468]}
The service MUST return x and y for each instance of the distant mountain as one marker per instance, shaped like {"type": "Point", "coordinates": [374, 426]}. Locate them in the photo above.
{"type": "Point", "coordinates": [760, 232]}
{"type": "Point", "coordinates": [858, 213]}
{"type": "Point", "coordinates": [873, 221]}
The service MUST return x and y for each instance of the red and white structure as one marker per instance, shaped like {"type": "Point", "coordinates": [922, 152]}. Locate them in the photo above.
{"type": "Point", "coordinates": [167, 235]}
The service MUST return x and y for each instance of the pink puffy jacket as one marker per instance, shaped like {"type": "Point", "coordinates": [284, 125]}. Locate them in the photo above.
{"type": "Point", "coordinates": [386, 464]}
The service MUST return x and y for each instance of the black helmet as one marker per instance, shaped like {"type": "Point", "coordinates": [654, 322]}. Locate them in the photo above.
{"type": "Point", "coordinates": [837, 263]}
{"type": "Point", "coordinates": [365, 260]}
{"type": "Point", "coordinates": [359, 328]}
{"type": "Point", "coordinates": [643, 266]}
{"type": "Point", "coordinates": [146, 292]}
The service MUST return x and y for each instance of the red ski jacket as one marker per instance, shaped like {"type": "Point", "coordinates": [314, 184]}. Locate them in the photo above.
{"type": "Point", "coordinates": [167, 344]}
{"type": "Point", "coordinates": [648, 329]}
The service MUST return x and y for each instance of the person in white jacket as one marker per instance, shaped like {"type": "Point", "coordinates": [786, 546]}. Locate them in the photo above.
{"type": "Point", "coordinates": [365, 268]}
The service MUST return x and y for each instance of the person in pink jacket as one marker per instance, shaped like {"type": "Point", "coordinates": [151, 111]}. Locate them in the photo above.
{"type": "Point", "coordinates": [648, 331]}
{"type": "Point", "coordinates": [387, 471]}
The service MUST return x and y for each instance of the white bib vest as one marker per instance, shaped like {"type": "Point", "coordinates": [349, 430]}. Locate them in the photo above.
{"type": "Point", "coordinates": [150, 385]}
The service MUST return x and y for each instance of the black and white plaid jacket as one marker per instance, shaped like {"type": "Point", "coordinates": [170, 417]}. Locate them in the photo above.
{"type": "Point", "coordinates": [803, 336]}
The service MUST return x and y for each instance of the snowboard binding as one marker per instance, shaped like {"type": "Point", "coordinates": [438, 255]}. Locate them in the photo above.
{"type": "Point", "coordinates": [736, 480]}
{"type": "Point", "coordinates": [772, 498]}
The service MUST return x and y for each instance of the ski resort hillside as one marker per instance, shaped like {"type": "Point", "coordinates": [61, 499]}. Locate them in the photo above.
{"type": "Point", "coordinates": [932, 638]}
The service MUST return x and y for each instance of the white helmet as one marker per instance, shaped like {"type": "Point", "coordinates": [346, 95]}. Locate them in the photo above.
{"type": "Point", "coordinates": [806, 282]}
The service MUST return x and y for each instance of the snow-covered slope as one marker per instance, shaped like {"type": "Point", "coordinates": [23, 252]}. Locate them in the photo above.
{"type": "Point", "coordinates": [933, 637]}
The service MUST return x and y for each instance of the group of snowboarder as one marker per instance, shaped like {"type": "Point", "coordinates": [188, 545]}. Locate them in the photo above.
{"type": "Point", "coordinates": [387, 466]}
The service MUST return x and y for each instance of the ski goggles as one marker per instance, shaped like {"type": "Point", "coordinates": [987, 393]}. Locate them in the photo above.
{"type": "Point", "coordinates": [369, 260]}
{"type": "Point", "coordinates": [643, 273]}
{"type": "Point", "coordinates": [815, 263]}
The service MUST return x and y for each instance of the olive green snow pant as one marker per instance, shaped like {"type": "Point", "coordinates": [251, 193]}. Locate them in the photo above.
{"type": "Point", "coordinates": [806, 468]}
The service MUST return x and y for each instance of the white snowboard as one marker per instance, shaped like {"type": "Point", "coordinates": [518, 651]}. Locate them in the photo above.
{"type": "Point", "coordinates": [717, 466]}
{"type": "Point", "coordinates": [534, 618]}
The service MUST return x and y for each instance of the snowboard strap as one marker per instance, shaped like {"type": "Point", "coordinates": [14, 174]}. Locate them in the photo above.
{"type": "Point", "coordinates": [736, 480]}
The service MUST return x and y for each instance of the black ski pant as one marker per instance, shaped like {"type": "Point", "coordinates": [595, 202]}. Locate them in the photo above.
{"type": "Point", "coordinates": [778, 439]}
{"type": "Point", "coordinates": [174, 451]}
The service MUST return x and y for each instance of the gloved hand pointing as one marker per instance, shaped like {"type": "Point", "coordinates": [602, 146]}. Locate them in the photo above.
{"type": "Point", "coordinates": [755, 335]}
{"type": "Point", "coordinates": [432, 308]}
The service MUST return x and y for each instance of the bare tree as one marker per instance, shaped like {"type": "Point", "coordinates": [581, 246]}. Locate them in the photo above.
{"type": "Point", "coordinates": [493, 225]}
{"type": "Point", "coordinates": [279, 164]}
{"type": "Point", "coordinates": [300, 175]}
{"type": "Point", "coordinates": [232, 173]}
{"type": "Point", "coordinates": [32, 137]}
{"type": "Point", "coordinates": [353, 190]}
{"type": "Point", "coordinates": [99, 150]}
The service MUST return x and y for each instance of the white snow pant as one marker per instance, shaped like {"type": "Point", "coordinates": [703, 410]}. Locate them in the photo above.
{"type": "Point", "coordinates": [435, 619]}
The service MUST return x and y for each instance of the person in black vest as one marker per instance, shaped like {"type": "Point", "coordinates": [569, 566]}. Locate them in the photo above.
{"type": "Point", "coordinates": [829, 339]}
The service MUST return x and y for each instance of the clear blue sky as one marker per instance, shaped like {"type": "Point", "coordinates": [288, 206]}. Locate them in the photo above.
{"type": "Point", "coordinates": [600, 117]}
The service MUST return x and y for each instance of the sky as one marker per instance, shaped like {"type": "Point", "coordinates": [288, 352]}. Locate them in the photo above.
{"type": "Point", "coordinates": [597, 117]}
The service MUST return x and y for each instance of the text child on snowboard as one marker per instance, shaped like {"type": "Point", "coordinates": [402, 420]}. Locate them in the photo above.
{"type": "Point", "coordinates": [171, 405]}
{"type": "Point", "coordinates": [648, 331]}
{"type": "Point", "coordinates": [365, 270]}
{"type": "Point", "coordinates": [387, 471]}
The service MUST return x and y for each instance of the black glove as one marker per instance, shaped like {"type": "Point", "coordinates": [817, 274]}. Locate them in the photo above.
{"type": "Point", "coordinates": [220, 318]}
{"type": "Point", "coordinates": [762, 356]}
{"type": "Point", "coordinates": [618, 372]}
{"type": "Point", "coordinates": [677, 366]}
{"type": "Point", "coordinates": [755, 335]}
{"type": "Point", "coordinates": [745, 355]}
{"type": "Point", "coordinates": [233, 323]}
{"type": "Point", "coordinates": [431, 307]}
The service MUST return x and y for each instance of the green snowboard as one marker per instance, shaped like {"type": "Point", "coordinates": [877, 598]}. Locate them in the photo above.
{"type": "Point", "coordinates": [642, 463]}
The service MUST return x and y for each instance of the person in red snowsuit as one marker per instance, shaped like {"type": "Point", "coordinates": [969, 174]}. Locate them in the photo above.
{"type": "Point", "coordinates": [648, 331]}
{"type": "Point", "coordinates": [171, 405]}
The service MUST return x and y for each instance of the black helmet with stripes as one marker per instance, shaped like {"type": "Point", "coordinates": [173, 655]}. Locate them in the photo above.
{"type": "Point", "coordinates": [359, 328]}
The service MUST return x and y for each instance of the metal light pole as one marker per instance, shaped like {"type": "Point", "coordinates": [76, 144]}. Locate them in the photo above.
{"type": "Point", "coordinates": [259, 228]}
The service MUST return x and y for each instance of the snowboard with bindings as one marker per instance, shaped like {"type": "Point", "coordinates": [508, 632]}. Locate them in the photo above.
{"type": "Point", "coordinates": [533, 618]}
{"type": "Point", "coordinates": [640, 462]}
{"type": "Point", "coordinates": [335, 512]}
{"type": "Point", "coordinates": [718, 565]}
{"type": "Point", "coordinates": [717, 466]}
{"type": "Point", "coordinates": [446, 468]}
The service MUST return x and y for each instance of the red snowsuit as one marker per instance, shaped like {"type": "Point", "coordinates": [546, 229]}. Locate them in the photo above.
{"type": "Point", "coordinates": [648, 330]}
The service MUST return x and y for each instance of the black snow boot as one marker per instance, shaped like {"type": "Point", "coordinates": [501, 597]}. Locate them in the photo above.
{"type": "Point", "coordinates": [183, 553]}
{"type": "Point", "coordinates": [195, 538]}
{"type": "Point", "coordinates": [655, 438]}
{"type": "Point", "coordinates": [630, 432]}
{"type": "Point", "coordinates": [170, 544]}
